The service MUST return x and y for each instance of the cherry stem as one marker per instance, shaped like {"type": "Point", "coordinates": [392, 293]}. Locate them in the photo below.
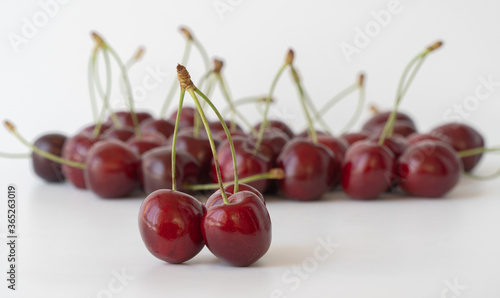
{"type": "Point", "coordinates": [403, 86]}
{"type": "Point", "coordinates": [359, 109]}
{"type": "Point", "coordinates": [10, 127]}
{"type": "Point", "coordinates": [134, 59]}
{"type": "Point", "coordinates": [230, 102]}
{"type": "Point", "coordinates": [314, 111]}
{"type": "Point", "coordinates": [332, 102]}
{"type": "Point", "coordinates": [175, 82]}
{"type": "Point", "coordinates": [15, 155]}
{"type": "Point", "coordinates": [276, 173]}
{"type": "Point", "coordinates": [104, 95]}
{"type": "Point", "coordinates": [312, 131]}
{"type": "Point", "coordinates": [128, 86]}
{"type": "Point", "coordinates": [174, 138]}
{"type": "Point", "coordinates": [90, 79]}
{"type": "Point", "coordinates": [244, 101]}
{"type": "Point", "coordinates": [228, 135]}
{"type": "Point", "coordinates": [288, 61]}
{"type": "Point", "coordinates": [476, 151]}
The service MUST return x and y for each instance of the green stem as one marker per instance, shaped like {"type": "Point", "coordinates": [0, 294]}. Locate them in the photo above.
{"type": "Point", "coordinates": [128, 86]}
{"type": "Point", "coordinates": [175, 82]}
{"type": "Point", "coordinates": [312, 131]}
{"type": "Point", "coordinates": [476, 151]}
{"type": "Point", "coordinates": [261, 176]}
{"type": "Point", "coordinates": [268, 104]}
{"type": "Point", "coordinates": [174, 138]}
{"type": "Point", "coordinates": [314, 111]}
{"type": "Point", "coordinates": [332, 102]}
{"type": "Point", "coordinates": [235, 112]}
{"type": "Point", "coordinates": [104, 95]}
{"type": "Point", "coordinates": [357, 113]}
{"type": "Point", "coordinates": [211, 141]}
{"type": "Point", "coordinates": [90, 78]}
{"type": "Point", "coordinates": [15, 155]}
{"type": "Point", "coordinates": [203, 53]}
{"type": "Point", "coordinates": [228, 134]}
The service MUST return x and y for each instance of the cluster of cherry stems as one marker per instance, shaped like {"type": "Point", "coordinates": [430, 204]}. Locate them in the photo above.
{"type": "Point", "coordinates": [172, 159]}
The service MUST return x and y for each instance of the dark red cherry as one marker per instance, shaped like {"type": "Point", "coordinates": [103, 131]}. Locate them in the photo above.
{"type": "Point", "coordinates": [310, 170]}
{"type": "Point", "coordinates": [157, 169]}
{"type": "Point", "coordinates": [305, 134]}
{"type": "Point", "coordinates": [338, 146]}
{"type": "Point", "coordinates": [162, 126]}
{"type": "Point", "coordinates": [187, 116]}
{"type": "Point", "coordinates": [273, 141]}
{"type": "Point", "coordinates": [238, 233]}
{"type": "Point", "coordinates": [216, 126]}
{"type": "Point", "coordinates": [125, 118]}
{"type": "Point", "coordinates": [90, 129]}
{"type": "Point", "coordinates": [121, 134]}
{"type": "Point", "coordinates": [429, 169]}
{"type": "Point", "coordinates": [462, 137]}
{"type": "Point", "coordinates": [280, 125]}
{"type": "Point", "coordinates": [221, 136]}
{"type": "Point", "coordinates": [248, 163]}
{"type": "Point", "coordinates": [44, 168]}
{"type": "Point", "coordinates": [198, 147]}
{"type": "Point", "coordinates": [396, 143]}
{"type": "Point", "coordinates": [415, 138]}
{"type": "Point", "coordinates": [170, 225]}
{"type": "Point", "coordinates": [377, 122]}
{"type": "Point", "coordinates": [76, 149]}
{"type": "Point", "coordinates": [368, 170]}
{"type": "Point", "coordinates": [146, 142]}
{"type": "Point", "coordinates": [216, 198]}
{"type": "Point", "coordinates": [353, 137]}
{"type": "Point", "coordinates": [111, 169]}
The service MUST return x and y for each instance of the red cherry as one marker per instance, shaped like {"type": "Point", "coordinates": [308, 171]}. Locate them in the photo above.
{"type": "Point", "coordinates": [44, 168]}
{"type": "Point", "coordinates": [146, 142]}
{"type": "Point", "coordinates": [415, 138]}
{"type": "Point", "coordinates": [121, 134]}
{"type": "Point", "coordinates": [164, 127]}
{"type": "Point", "coordinates": [248, 163]}
{"type": "Point", "coordinates": [216, 198]}
{"type": "Point", "coordinates": [462, 137]}
{"type": "Point", "coordinates": [76, 149]}
{"type": "Point", "coordinates": [376, 123]}
{"type": "Point", "coordinates": [111, 169]}
{"type": "Point", "coordinates": [429, 169]}
{"type": "Point", "coordinates": [157, 169]}
{"type": "Point", "coordinates": [90, 129]}
{"type": "Point", "coordinates": [125, 118]}
{"type": "Point", "coordinates": [216, 127]}
{"type": "Point", "coordinates": [238, 233]}
{"type": "Point", "coordinates": [338, 146]}
{"type": "Point", "coordinates": [397, 144]}
{"type": "Point", "coordinates": [170, 225]}
{"type": "Point", "coordinates": [221, 136]}
{"type": "Point", "coordinates": [279, 125]}
{"type": "Point", "coordinates": [353, 137]}
{"type": "Point", "coordinates": [272, 143]}
{"type": "Point", "coordinates": [310, 170]}
{"type": "Point", "coordinates": [368, 170]}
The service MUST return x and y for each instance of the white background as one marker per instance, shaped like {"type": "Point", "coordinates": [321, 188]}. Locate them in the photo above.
{"type": "Point", "coordinates": [71, 242]}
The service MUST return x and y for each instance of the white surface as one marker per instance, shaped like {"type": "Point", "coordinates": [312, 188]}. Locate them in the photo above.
{"type": "Point", "coordinates": [71, 242]}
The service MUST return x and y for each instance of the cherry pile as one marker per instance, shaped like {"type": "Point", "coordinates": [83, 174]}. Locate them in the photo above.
{"type": "Point", "coordinates": [172, 159]}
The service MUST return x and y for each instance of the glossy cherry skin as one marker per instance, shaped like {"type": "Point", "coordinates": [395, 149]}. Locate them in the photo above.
{"type": "Point", "coordinates": [76, 149]}
{"type": "Point", "coordinates": [121, 134]}
{"type": "Point", "coordinates": [170, 225]}
{"type": "Point", "coordinates": [216, 126]}
{"type": "Point", "coordinates": [238, 233]}
{"type": "Point", "coordinates": [415, 138]}
{"type": "Point", "coordinates": [279, 125]}
{"type": "Point", "coordinates": [125, 118]}
{"type": "Point", "coordinates": [161, 126]}
{"type": "Point", "coordinates": [187, 116]}
{"type": "Point", "coordinates": [44, 168]}
{"type": "Point", "coordinates": [216, 198]}
{"type": "Point", "coordinates": [310, 170]}
{"type": "Point", "coordinates": [248, 163]}
{"type": "Point", "coordinates": [429, 169]}
{"type": "Point", "coordinates": [111, 169]}
{"type": "Point", "coordinates": [90, 129]}
{"type": "Point", "coordinates": [396, 143]}
{"type": "Point", "coordinates": [198, 147]}
{"type": "Point", "coordinates": [146, 142]}
{"type": "Point", "coordinates": [353, 137]}
{"type": "Point", "coordinates": [273, 141]}
{"type": "Point", "coordinates": [368, 170]}
{"type": "Point", "coordinates": [338, 146]}
{"type": "Point", "coordinates": [462, 137]}
{"type": "Point", "coordinates": [157, 169]}
{"type": "Point", "coordinates": [403, 124]}
{"type": "Point", "coordinates": [221, 136]}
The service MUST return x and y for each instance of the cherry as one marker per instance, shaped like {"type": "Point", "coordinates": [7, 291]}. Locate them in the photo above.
{"type": "Point", "coordinates": [367, 170]}
{"type": "Point", "coordinates": [170, 225]}
{"type": "Point", "coordinates": [239, 232]}
{"type": "Point", "coordinates": [221, 136]}
{"type": "Point", "coordinates": [111, 169]}
{"type": "Point", "coordinates": [121, 134]}
{"type": "Point", "coordinates": [89, 130]}
{"type": "Point", "coordinates": [164, 127]}
{"type": "Point", "coordinates": [429, 169]}
{"type": "Point", "coordinates": [353, 137]}
{"type": "Point", "coordinates": [462, 137]}
{"type": "Point", "coordinates": [216, 127]}
{"type": "Point", "coordinates": [279, 125]}
{"type": "Point", "coordinates": [305, 134]}
{"type": "Point", "coordinates": [404, 125]}
{"type": "Point", "coordinates": [157, 173]}
{"type": "Point", "coordinates": [272, 143]}
{"type": "Point", "coordinates": [248, 162]}
{"type": "Point", "coordinates": [146, 142]}
{"type": "Point", "coordinates": [415, 138]}
{"type": "Point", "coordinates": [44, 168]}
{"type": "Point", "coordinates": [187, 116]}
{"type": "Point", "coordinates": [396, 143]}
{"type": "Point", "coordinates": [310, 170]}
{"type": "Point", "coordinates": [126, 120]}
{"type": "Point", "coordinates": [338, 147]}
{"type": "Point", "coordinates": [216, 198]}
{"type": "Point", "coordinates": [76, 149]}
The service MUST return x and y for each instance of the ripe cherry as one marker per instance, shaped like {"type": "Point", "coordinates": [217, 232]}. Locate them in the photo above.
{"type": "Point", "coordinates": [76, 149]}
{"type": "Point", "coordinates": [44, 168]}
{"type": "Point", "coordinates": [162, 126]}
